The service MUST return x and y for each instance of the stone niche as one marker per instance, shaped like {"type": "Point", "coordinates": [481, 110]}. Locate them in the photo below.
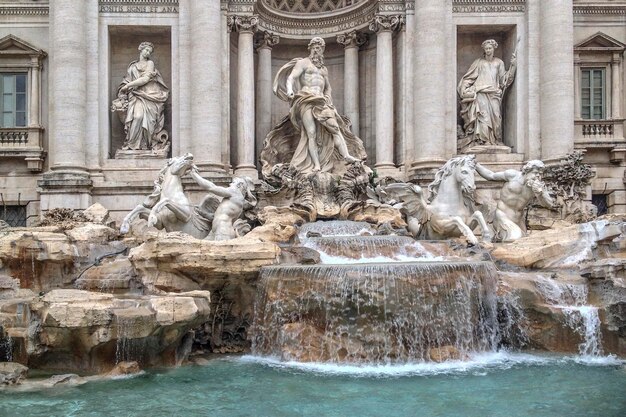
{"type": "Point", "coordinates": [123, 43]}
{"type": "Point", "coordinates": [469, 40]}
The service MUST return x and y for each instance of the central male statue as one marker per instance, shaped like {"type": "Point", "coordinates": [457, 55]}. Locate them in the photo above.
{"type": "Point", "coordinates": [321, 137]}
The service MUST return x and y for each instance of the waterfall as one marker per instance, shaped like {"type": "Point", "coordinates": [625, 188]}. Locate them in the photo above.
{"type": "Point", "coordinates": [126, 347]}
{"type": "Point", "coordinates": [579, 316]}
{"type": "Point", "coordinates": [368, 249]}
{"type": "Point", "coordinates": [375, 313]}
{"type": "Point", "coordinates": [335, 228]}
{"type": "Point", "coordinates": [6, 346]}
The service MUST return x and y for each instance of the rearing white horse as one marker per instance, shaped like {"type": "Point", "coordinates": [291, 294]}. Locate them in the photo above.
{"type": "Point", "coordinates": [169, 208]}
{"type": "Point", "coordinates": [449, 211]}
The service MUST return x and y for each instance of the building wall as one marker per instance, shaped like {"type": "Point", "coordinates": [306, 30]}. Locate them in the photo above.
{"type": "Point", "coordinates": [121, 184]}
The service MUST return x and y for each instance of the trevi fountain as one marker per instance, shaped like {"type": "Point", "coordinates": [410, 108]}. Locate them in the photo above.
{"type": "Point", "coordinates": [325, 285]}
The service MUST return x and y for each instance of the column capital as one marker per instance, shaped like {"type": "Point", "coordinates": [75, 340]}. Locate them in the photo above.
{"type": "Point", "coordinates": [352, 39]}
{"type": "Point", "coordinates": [616, 59]}
{"type": "Point", "coordinates": [266, 40]}
{"type": "Point", "coordinates": [239, 23]}
{"type": "Point", "coordinates": [384, 23]}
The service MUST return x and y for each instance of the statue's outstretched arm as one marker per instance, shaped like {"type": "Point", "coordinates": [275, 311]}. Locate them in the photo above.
{"type": "Point", "coordinates": [208, 185]}
{"type": "Point", "coordinates": [502, 176]}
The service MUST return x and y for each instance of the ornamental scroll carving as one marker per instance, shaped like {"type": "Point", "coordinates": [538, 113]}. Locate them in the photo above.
{"type": "Point", "coordinates": [352, 39]}
{"type": "Point", "coordinates": [243, 23]}
{"type": "Point", "coordinates": [265, 39]}
{"type": "Point", "coordinates": [386, 23]}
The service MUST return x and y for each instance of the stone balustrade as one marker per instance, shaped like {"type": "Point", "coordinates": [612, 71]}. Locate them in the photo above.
{"type": "Point", "coordinates": [23, 142]}
{"type": "Point", "coordinates": [599, 130]}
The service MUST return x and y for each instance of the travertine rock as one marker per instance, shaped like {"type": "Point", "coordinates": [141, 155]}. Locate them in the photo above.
{"type": "Point", "coordinates": [46, 258]}
{"type": "Point", "coordinates": [279, 224]}
{"type": "Point", "coordinates": [178, 262]}
{"type": "Point", "coordinates": [97, 213]}
{"type": "Point", "coordinates": [89, 332]}
{"type": "Point", "coordinates": [12, 373]}
{"type": "Point", "coordinates": [563, 248]}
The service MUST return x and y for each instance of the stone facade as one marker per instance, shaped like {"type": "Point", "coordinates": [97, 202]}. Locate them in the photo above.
{"type": "Point", "coordinates": [394, 65]}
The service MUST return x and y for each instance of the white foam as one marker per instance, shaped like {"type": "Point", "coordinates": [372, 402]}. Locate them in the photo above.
{"type": "Point", "coordinates": [480, 363]}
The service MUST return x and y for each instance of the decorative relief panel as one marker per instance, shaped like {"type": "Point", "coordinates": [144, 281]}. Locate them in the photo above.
{"type": "Point", "coordinates": [343, 19]}
{"type": "Point", "coordinates": [489, 6]}
{"type": "Point", "coordinates": [138, 6]}
{"type": "Point", "coordinates": [310, 6]}
{"type": "Point", "coordinates": [30, 10]}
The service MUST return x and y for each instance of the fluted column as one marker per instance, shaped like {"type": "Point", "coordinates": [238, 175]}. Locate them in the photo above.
{"type": "Point", "coordinates": [206, 84]}
{"type": "Point", "coordinates": [577, 103]}
{"type": "Point", "coordinates": [264, 44]}
{"type": "Point", "coordinates": [351, 42]}
{"type": "Point", "coordinates": [557, 79]}
{"type": "Point", "coordinates": [68, 85]}
{"type": "Point", "coordinates": [67, 184]}
{"type": "Point", "coordinates": [430, 95]}
{"type": "Point", "coordinates": [384, 26]}
{"type": "Point", "coordinates": [33, 118]}
{"type": "Point", "coordinates": [245, 26]}
{"type": "Point", "coordinates": [616, 78]}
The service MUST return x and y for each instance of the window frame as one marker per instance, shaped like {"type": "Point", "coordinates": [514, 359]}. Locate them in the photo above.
{"type": "Point", "coordinates": [603, 110]}
{"type": "Point", "coordinates": [14, 94]}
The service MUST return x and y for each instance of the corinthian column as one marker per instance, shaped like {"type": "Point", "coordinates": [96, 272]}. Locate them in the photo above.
{"type": "Point", "coordinates": [246, 26]}
{"type": "Point", "coordinates": [384, 26]}
{"type": "Point", "coordinates": [351, 42]}
{"type": "Point", "coordinates": [264, 44]}
{"type": "Point", "coordinates": [67, 184]}
{"type": "Point", "coordinates": [68, 86]}
{"type": "Point", "coordinates": [557, 79]}
{"type": "Point", "coordinates": [206, 83]}
{"type": "Point", "coordinates": [429, 85]}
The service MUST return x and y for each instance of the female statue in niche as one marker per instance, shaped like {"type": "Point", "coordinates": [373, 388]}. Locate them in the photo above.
{"type": "Point", "coordinates": [481, 90]}
{"type": "Point", "coordinates": [140, 101]}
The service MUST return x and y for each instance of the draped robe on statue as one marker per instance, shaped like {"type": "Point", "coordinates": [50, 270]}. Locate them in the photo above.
{"type": "Point", "coordinates": [288, 141]}
{"type": "Point", "coordinates": [145, 117]}
{"type": "Point", "coordinates": [481, 90]}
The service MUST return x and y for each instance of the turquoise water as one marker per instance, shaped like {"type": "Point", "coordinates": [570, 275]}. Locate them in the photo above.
{"type": "Point", "coordinates": [489, 385]}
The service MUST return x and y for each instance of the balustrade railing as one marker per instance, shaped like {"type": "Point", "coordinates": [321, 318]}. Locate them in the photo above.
{"type": "Point", "coordinates": [13, 137]}
{"type": "Point", "coordinates": [598, 128]}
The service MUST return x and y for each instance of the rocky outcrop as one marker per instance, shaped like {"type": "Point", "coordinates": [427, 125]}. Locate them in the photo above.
{"type": "Point", "coordinates": [567, 247]}
{"type": "Point", "coordinates": [45, 258]}
{"type": "Point", "coordinates": [12, 373]}
{"type": "Point", "coordinates": [564, 312]}
{"type": "Point", "coordinates": [74, 330]}
{"type": "Point", "coordinates": [178, 262]}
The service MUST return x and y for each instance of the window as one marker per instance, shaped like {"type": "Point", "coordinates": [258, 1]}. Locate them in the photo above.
{"type": "Point", "coordinates": [592, 93]}
{"type": "Point", "coordinates": [13, 104]}
{"type": "Point", "coordinates": [15, 216]}
{"type": "Point", "coordinates": [599, 200]}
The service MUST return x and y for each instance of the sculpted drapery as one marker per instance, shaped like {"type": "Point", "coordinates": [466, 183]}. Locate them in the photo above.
{"type": "Point", "coordinates": [144, 89]}
{"type": "Point", "coordinates": [481, 90]}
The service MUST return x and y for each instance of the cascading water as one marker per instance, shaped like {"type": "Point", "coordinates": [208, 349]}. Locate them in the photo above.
{"type": "Point", "coordinates": [353, 308]}
{"type": "Point", "coordinates": [6, 346]}
{"type": "Point", "coordinates": [572, 300]}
